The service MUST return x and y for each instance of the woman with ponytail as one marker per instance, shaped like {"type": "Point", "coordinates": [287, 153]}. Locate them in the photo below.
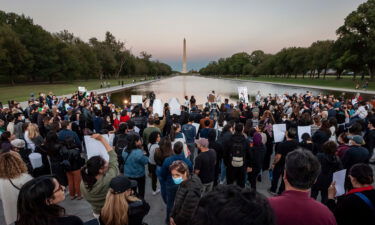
{"type": "Point", "coordinates": [96, 176]}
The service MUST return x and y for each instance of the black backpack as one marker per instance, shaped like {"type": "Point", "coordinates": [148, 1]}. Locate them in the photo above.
{"type": "Point", "coordinates": [237, 154]}
{"type": "Point", "coordinates": [120, 146]}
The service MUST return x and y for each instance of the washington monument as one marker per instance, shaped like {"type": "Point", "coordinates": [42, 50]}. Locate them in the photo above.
{"type": "Point", "coordinates": [184, 67]}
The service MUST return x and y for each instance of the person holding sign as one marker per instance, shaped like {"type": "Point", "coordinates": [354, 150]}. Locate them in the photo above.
{"type": "Point", "coordinates": [356, 206]}
{"type": "Point", "coordinates": [96, 176]}
{"type": "Point", "coordinates": [278, 164]}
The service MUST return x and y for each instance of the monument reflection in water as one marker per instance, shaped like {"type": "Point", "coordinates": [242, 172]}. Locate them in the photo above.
{"type": "Point", "coordinates": [200, 87]}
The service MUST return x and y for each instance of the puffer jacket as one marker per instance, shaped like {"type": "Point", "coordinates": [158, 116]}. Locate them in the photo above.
{"type": "Point", "coordinates": [186, 201]}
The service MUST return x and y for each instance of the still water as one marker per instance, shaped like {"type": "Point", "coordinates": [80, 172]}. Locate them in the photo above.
{"type": "Point", "coordinates": [200, 87]}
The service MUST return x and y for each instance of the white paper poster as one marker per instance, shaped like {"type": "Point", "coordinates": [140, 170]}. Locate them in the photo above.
{"type": "Point", "coordinates": [302, 130]}
{"type": "Point", "coordinates": [279, 132]}
{"type": "Point", "coordinates": [81, 89]}
{"type": "Point", "coordinates": [110, 139]}
{"type": "Point", "coordinates": [339, 178]}
{"type": "Point", "coordinates": [157, 107]}
{"type": "Point", "coordinates": [136, 99]}
{"type": "Point", "coordinates": [175, 107]}
{"type": "Point", "coordinates": [243, 94]}
{"type": "Point", "coordinates": [196, 125]}
{"type": "Point", "coordinates": [95, 147]}
{"type": "Point", "coordinates": [136, 129]}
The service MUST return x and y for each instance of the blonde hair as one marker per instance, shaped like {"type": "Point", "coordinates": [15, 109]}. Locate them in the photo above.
{"type": "Point", "coordinates": [115, 209]}
{"type": "Point", "coordinates": [11, 165]}
{"type": "Point", "coordinates": [33, 130]}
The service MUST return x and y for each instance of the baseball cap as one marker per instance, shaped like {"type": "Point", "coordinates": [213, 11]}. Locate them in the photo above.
{"type": "Point", "coordinates": [357, 139]}
{"type": "Point", "coordinates": [120, 184]}
{"type": "Point", "coordinates": [202, 141]}
{"type": "Point", "coordinates": [18, 143]}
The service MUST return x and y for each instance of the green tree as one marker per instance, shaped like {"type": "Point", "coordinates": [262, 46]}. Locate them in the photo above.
{"type": "Point", "coordinates": [358, 34]}
{"type": "Point", "coordinates": [13, 54]}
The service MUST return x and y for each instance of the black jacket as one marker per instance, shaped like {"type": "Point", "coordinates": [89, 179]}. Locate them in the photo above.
{"type": "Point", "coordinates": [330, 164]}
{"type": "Point", "coordinates": [227, 147]}
{"type": "Point", "coordinates": [257, 154]}
{"type": "Point", "coordinates": [319, 138]}
{"type": "Point", "coordinates": [186, 200]}
{"type": "Point", "coordinates": [352, 210]}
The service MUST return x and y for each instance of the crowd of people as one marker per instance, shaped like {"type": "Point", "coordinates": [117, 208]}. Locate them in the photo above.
{"type": "Point", "coordinates": [205, 162]}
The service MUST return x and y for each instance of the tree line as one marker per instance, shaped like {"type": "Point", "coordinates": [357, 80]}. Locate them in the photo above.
{"type": "Point", "coordinates": [353, 52]}
{"type": "Point", "coordinates": [28, 53]}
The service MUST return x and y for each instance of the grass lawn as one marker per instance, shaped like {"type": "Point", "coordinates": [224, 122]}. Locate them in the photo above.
{"type": "Point", "coordinates": [22, 92]}
{"type": "Point", "coordinates": [330, 81]}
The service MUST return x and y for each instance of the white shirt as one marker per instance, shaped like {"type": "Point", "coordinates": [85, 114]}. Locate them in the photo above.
{"type": "Point", "coordinates": [9, 196]}
{"type": "Point", "coordinates": [361, 112]}
{"type": "Point", "coordinates": [29, 142]}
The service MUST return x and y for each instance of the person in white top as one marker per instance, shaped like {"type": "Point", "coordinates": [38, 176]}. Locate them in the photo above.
{"type": "Point", "coordinates": [13, 175]}
{"type": "Point", "coordinates": [361, 111]}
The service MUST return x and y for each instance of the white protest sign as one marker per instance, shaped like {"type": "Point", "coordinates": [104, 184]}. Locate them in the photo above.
{"type": "Point", "coordinates": [196, 125]}
{"type": "Point", "coordinates": [174, 107]}
{"type": "Point", "coordinates": [302, 130]}
{"type": "Point", "coordinates": [136, 129]}
{"type": "Point", "coordinates": [95, 147]}
{"type": "Point", "coordinates": [81, 89]}
{"type": "Point", "coordinates": [279, 132]}
{"type": "Point", "coordinates": [339, 178]}
{"type": "Point", "coordinates": [110, 138]}
{"type": "Point", "coordinates": [243, 94]}
{"type": "Point", "coordinates": [136, 99]}
{"type": "Point", "coordinates": [157, 107]}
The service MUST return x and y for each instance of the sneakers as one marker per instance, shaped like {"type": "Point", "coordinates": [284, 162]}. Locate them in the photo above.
{"type": "Point", "coordinates": [156, 192]}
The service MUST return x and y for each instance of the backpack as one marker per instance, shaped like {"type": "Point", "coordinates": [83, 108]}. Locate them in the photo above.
{"type": "Point", "coordinates": [237, 154]}
{"type": "Point", "coordinates": [120, 146]}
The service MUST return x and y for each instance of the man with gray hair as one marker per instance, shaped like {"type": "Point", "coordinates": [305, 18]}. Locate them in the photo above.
{"type": "Point", "coordinates": [295, 206]}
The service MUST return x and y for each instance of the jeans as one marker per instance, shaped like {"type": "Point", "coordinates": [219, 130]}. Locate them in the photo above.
{"type": "Point", "coordinates": [171, 194]}
{"type": "Point", "coordinates": [223, 172]}
{"type": "Point", "coordinates": [163, 190]}
{"type": "Point", "coordinates": [193, 151]}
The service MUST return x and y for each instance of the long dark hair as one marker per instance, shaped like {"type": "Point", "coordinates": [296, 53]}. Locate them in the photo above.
{"type": "Point", "coordinates": [91, 170]}
{"type": "Point", "coordinates": [32, 204]}
{"type": "Point", "coordinates": [174, 129]}
{"type": "Point", "coordinates": [132, 142]}
{"type": "Point", "coordinates": [153, 137]}
{"type": "Point", "coordinates": [325, 127]}
{"type": "Point", "coordinates": [165, 146]}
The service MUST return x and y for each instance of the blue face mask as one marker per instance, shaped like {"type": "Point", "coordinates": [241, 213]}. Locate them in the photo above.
{"type": "Point", "coordinates": [177, 180]}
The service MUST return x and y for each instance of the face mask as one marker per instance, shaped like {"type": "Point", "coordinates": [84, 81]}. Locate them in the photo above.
{"type": "Point", "coordinates": [284, 119]}
{"type": "Point", "coordinates": [177, 180]}
{"type": "Point", "coordinates": [22, 118]}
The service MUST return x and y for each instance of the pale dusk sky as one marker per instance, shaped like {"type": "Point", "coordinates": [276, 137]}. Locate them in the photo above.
{"type": "Point", "coordinates": [212, 28]}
